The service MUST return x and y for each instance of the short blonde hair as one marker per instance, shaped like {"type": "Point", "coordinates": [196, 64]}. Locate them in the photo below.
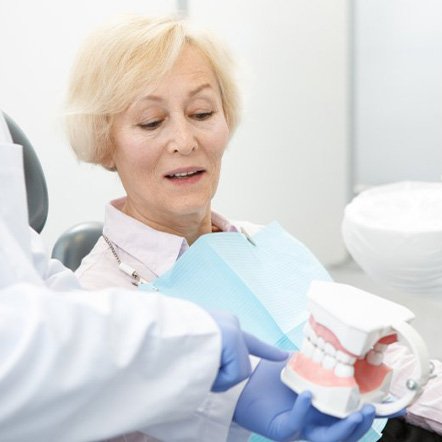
{"type": "Point", "coordinates": [117, 61]}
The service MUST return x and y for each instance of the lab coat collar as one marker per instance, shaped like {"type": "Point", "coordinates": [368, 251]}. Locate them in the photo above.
{"type": "Point", "coordinates": [155, 249]}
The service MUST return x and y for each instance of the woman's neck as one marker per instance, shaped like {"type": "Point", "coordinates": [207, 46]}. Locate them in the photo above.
{"type": "Point", "coordinates": [191, 226]}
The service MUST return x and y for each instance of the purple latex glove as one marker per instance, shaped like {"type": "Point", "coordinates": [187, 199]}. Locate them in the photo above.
{"type": "Point", "coordinates": [269, 408]}
{"type": "Point", "coordinates": [236, 347]}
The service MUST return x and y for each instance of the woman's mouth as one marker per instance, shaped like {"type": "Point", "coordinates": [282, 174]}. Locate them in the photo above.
{"type": "Point", "coordinates": [188, 176]}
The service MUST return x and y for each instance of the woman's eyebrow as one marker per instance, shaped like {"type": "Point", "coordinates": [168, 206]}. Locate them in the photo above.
{"type": "Point", "coordinates": [190, 94]}
{"type": "Point", "coordinates": [199, 89]}
{"type": "Point", "coordinates": [151, 98]}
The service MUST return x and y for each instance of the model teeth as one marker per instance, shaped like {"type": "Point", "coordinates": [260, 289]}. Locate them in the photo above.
{"type": "Point", "coordinates": [318, 355]}
{"type": "Point", "coordinates": [329, 362]}
{"type": "Point", "coordinates": [344, 371]}
{"type": "Point", "coordinates": [380, 347]}
{"type": "Point", "coordinates": [336, 360]}
{"type": "Point", "coordinates": [329, 349]}
{"type": "Point", "coordinates": [307, 348]}
{"type": "Point", "coordinates": [327, 356]}
{"type": "Point", "coordinates": [345, 358]}
{"type": "Point", "coordinates": [309, 333]}
{"type": "Point", "coordinates": [375, 357]}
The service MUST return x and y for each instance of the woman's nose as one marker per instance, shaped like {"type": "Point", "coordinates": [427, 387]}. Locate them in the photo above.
{"type": "Point", "coordinates": [182, 139]}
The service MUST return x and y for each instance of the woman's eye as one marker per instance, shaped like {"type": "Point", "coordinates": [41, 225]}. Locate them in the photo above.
{"type": "Point", "coordinates": [151, 125]}
{"type": "Point", "coordinates": [201, 116]}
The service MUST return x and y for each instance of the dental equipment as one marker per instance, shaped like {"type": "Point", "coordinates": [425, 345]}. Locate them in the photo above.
{"type": "Point", "coordinates": [394, 232]}
{"type": "Point", "coordinates": [341, 358]}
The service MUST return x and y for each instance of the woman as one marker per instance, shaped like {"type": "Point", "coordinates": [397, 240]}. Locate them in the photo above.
{"type": "Point", "coordinates": [157, 103]}
{"type": "Point", "coordinates": [186, 117]}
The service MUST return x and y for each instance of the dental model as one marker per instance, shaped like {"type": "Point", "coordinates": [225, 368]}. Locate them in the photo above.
{"type": "Point", "coordinates": [341, 359]}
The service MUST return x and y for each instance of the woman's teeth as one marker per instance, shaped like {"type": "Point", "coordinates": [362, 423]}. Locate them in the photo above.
{"type": "Point", "coordinates": [183, 174]}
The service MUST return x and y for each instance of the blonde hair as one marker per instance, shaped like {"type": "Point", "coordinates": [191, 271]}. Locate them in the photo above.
{"type": "Point", "coordinates": [117, 61]}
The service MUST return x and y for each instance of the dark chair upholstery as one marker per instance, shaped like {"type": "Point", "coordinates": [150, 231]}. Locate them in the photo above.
{"type": "Point", "coordinates": [397, 430]}
{"type": "Point", "coordinates": [36, 190]}
{"type": "Point", "coordinates": [74, 244]}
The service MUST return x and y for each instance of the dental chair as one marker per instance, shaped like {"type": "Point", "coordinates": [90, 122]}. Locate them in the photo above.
{"type": "Point", "coordinates": [77, 241]}
{"type": "Point", "coordinates": [36, 190]}
{"type": "Point", "coordinates": [74, 244]}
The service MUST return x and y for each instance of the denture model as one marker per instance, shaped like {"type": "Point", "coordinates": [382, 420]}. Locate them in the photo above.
{"type": "Point", "coordinates": [341, 358]}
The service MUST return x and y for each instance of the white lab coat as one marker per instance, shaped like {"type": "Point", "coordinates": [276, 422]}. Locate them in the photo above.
{"type": "Point", "coordinates": [83, 366]}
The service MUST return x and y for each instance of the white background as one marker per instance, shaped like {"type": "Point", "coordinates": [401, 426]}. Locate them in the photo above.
{"type": "Point", "coordinates": [397, 115]}
{"type": "Point", "coordinates": [289, 159]}
{"type": "Point", "coordinates": [398, 90]}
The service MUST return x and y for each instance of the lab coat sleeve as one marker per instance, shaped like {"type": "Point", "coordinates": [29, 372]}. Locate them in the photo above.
{"type": "Point", "coordinates": [53, 273]}
{"type": "Point", "coordinates": [212, 420]}
{"type": "Point", "coordinates": [85, 366]}
{"type": "Point", "coordinates": [426, 411]}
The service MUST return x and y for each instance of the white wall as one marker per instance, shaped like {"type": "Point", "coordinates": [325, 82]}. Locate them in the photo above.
{"type": "Point", "coordinates": [398, 90]}
{"type": "Point", "coordinates": [288, 161]}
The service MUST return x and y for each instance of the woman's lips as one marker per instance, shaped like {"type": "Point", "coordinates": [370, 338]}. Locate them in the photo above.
{"type": "Point", "coordinates": [185, 176]}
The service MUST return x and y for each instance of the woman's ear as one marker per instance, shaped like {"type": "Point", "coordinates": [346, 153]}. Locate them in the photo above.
{"type": "Point", "coordinates": [108, 160]}
{"type": "Point", "coordinates": [109, 164]}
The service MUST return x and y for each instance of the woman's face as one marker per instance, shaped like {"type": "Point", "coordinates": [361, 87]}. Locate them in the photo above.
{"type": "Point", "coordinates": [169, 143]}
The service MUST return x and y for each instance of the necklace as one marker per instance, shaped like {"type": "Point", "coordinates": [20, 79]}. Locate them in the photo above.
{"type": "Point", "coordinates": [128, 270]}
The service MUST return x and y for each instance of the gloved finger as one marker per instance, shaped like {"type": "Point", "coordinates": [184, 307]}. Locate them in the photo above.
{"type": "Point", "coordinates": [231, 374]}
{"type": "Point", "coordinates": [263, 350]}
{"type": "Point", "coordinates": [338, 431]}
{"type": "Point", "coordinates": [289, 425]}
{"type": "Point", "coordinates": [368, 414]}
{"type": "Point", "coordinates": [235, 367]}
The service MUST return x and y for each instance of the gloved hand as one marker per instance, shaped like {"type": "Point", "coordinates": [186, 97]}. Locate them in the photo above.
{"type": "Point", "coordinates": [267, 407]}
{"type": "Point", "coordinates": [236, 346]}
